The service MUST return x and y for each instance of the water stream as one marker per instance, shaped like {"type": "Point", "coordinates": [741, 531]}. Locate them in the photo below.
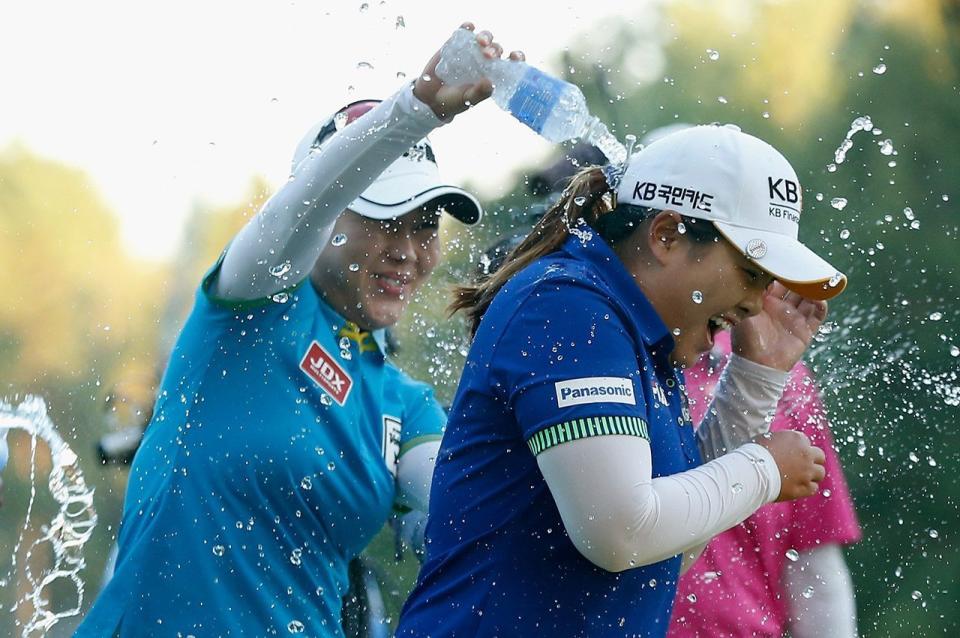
{"type": "Point", "coordinates": [66, 533]}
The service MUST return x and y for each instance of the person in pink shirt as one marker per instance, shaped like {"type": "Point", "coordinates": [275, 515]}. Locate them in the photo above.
{"type": "Point", "coordinates": [782, 569]}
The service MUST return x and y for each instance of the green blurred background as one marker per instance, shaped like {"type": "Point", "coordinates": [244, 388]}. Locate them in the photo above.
{"type": "Point", "coordinates": [79, 315]}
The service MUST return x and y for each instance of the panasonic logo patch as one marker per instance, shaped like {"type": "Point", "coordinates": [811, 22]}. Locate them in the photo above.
{"type": "Point", "coordinates": [594, 390]}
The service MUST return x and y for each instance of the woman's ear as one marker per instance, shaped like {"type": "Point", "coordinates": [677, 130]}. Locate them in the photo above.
{"type": "Point", "coordinates": [664, 236]}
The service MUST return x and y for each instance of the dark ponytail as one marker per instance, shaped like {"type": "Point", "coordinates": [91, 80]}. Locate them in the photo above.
{"type": "Point", "coordinates": [586, 197]}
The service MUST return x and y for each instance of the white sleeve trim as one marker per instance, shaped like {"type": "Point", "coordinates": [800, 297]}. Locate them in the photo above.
{"type": "Point", "coordinates": [295, 224]}
{"type": "Point", "coordinates": [619, 517]}
{"type": "Point", "coordinates": [820, 593]}
{"type": "Point", "coordinates": [743, 406]}
{"type": "Point", "coordinates": [415, 473]}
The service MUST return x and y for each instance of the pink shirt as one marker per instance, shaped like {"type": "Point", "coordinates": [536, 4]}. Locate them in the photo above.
{"type": "Point", "coordinates": [736, 587]}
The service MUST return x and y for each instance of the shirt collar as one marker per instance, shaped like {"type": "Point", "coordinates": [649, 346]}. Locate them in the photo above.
{"type": "Point", "coordinates": [365, 341]}
{"type": "Point", "coordinates": [587, 245]}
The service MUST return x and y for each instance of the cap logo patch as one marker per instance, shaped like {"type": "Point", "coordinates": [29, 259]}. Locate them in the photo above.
{"type": "Point", "coordinates": [594, 390]}
{"type": "Point", "coordinates": [672, 195]}
{"type": "Point", "coordinates": [756, 248]}
{"type": "Point", "coordinates": [327, 373]}
{"type": "Point", "coordinates": [783, 193]}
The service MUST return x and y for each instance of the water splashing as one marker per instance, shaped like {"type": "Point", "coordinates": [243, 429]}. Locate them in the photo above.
{"type": "Point", "coordinates": [69, 530]}
{"type": "Point", "coordinates": [862, 123]}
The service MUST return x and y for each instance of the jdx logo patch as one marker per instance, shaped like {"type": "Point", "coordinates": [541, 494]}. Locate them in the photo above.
{"type": "Point", "coordinates": [391, 442]}
{"type": "Point", "coordinates": [327, 373]}
{"type": "Point", "coordinates": [594, 390]}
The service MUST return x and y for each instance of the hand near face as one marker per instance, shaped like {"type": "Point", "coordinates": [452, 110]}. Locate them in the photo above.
{"type": "Point", "coordinates": [447, 101]}
{"type": "Point", "coordinates": [779, 335]}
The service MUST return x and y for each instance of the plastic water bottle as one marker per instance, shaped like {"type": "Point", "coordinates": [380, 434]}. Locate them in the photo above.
{"type": "Point", "coordinates": [553, 108]}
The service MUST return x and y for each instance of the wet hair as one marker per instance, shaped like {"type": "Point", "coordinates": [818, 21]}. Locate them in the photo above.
{"type": "Point", "coordinates": [587, 197]}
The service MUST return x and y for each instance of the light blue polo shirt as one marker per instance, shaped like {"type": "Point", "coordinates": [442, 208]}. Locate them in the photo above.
{"type": "Point", "coordinates": [268, 465]}
{"type": "Point", "coordinates": [570, 348]}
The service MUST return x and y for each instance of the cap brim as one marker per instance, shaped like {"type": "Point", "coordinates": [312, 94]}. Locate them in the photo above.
{"type": "Point", "coordinates": [790, 262]}
{"type": "Point", "coordinates": [455, 201]}
{"type": "Point", "coordinates": [406, 186]}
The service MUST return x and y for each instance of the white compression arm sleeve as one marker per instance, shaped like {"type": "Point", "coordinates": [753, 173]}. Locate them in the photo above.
{"type": "Point", "coordinates": [821, 594]}
{"type": "Point", "coordinates": [295, 224]}
{"type": "Point", "coordinates": [743, 406]}
{"type": "Point", "coordinates": [619, 517]}
{"type": "Point", "coordinates": [415, 473]}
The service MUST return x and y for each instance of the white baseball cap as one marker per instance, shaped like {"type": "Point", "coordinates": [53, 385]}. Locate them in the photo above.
{"type": "Point", "coordinates": [745, 187]}
{"type": "Point", "coordinates": [410, 182]}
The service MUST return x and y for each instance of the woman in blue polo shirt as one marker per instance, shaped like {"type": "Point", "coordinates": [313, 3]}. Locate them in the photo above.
{"type": "Point", "coordinates": [282, 437]}
{"type": "Point", "coordinates": [570, 487]}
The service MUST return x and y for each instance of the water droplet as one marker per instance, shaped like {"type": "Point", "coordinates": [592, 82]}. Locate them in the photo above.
{"type": "Point", "coordinates": [325, 399]}
{"type": "Point", "coordinates": [580, 201]}
{"type": "Point", "coordinates": [839, 203]}
{"type": "Point", "coordinates": [345, 355]}
{"type": "Point", "coordinates": [401, 75]}
{"type": "Point", "coordinates": [331, 466]}
{"type": "Point", "coordinates": [934, 534]}
{"type": "Point", "coordinates": [954, 351]}
{"type": "Point", "coordinates": [936, 316]}
{"type": "Point", "coordinates": [364, 7]}
{"type": "Point", "coordinates": [722, 100]}
{"type": "Point", "coordinates": [844, 234]}
{"type": "Point", "coordinates": [281, 269]}
{"type": "Point", "coordinates": [697, 296]}
{"type": "Point", "coordinates": [218, 550]}
{"type": "Point", "coordinates": [713, 54]}
{"type": "Point", "coordinates": [399, 24]}
{"type": "Point", "coordinates": [426, 77]}
{"type": "Point", "coordinates": [339, 239]}
{"type": "Point", "coordinates": [880, 69]}
{"type": "Point", "coordinates": [653, 582]}
{"type": "Point", "coordinates": [295, 626]}
{"type": "Point", "coordinates": [831, 168]}
{"type": "Point", "coordinates": [692, 598]}
{"type": "Point", "coordinates": [945, 198]}
{"type": "Point", "coordinates": [281, 297]}
{"type": "Point", "coordinates": [364, 65]}
{"type": "Point", "coordinates": [913, 457]}
{"type": "Point", "coordinates": [826, 493]}
{"type": "Point", "coordinates": [682, 228]}
{"type": "Point", "coordinates": [914, 225]}
{"type": "Point", "coordinates": [835, 280]}
{"type": "Point", "coordinates": [736, 488]}
{"type": "Point", "coordinates": [676, 332]}
{"type": "Point", "coordinates": [886, 147]}
{"type": "Point", "coordinates": [354, 267]}
{"type": "Point", "coordinates": [792, 555]}
{"type": "Point", "coordinates": [295, 557]}
{"type": "Point", "coordinates": [306, 483]}
{"type": "Point", "coordinates": [807, 592]}
{"type": "Point", "coordinates": [916, 595]}
{"type": "Point", "coordinates": [765, 115]}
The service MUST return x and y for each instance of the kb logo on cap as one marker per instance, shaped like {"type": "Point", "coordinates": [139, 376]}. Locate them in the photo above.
{"type": "Point", "coordinates": [784, 190]}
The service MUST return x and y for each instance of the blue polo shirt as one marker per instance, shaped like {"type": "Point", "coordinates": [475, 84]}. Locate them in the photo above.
{"type": "Point", "coordinates": [268, 465]}
{"type": "Point", "coordinates": [570, 348]}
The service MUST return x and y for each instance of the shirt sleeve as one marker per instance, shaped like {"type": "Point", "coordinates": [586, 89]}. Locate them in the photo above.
{"type": "Point", "coordinates": [828, 516]}
{"type": "Point", "coordinates": [568, 368]}
{"type": "Point", "coordinates": [424, 420]}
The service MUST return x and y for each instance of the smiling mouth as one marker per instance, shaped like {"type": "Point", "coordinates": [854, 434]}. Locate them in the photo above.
{"type": "Point", "coordinates": [392, 284]}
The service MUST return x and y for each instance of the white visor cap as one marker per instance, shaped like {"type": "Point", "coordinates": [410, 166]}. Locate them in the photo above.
{"type": "Point", "coordinates": [411, 181]}
{"type": "Point", "coordinates": [745, 187]}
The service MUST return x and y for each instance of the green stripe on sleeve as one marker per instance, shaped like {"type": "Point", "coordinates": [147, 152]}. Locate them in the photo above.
{"type": "Point", "coordinates": [584, 428]}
